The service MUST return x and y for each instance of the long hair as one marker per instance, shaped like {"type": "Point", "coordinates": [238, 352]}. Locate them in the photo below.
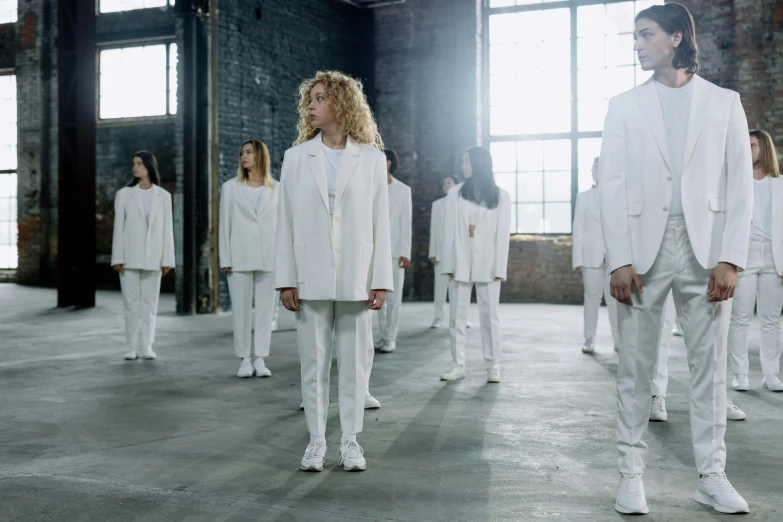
{"type": "Point", "coordinates": [673, 17]}
{"type": "Point", "coordinates": [150, 163]}
{"type": "Point", "coordinates": [262, 162]}
{"type": "Point", "coordinates": [768, 157]}
{"type": "Point", "coordinates": [392, 156]}
{"type": "Point", "coordinates": [349, 104]}
{"type": "Point", "coordinates": [480, 187]}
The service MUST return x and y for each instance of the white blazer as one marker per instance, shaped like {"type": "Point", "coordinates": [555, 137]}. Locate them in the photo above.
{"type": "Point", "coordinates": [588, 238]}
{"type": "Point", "coordinates": [485, 256]}
{"type": "Point", "coordinates": [344, 261]}
{"type": "Point", "coordinates": [400, 219]}
{"type": "Point", "coordinates": [717, 182]}
{"type": "Point", "coordinates": [776, 184]}
{"type": "Point", "coordinates": [247, 237]}
{"type": "Point", "coordinates": [137, 244]}
{"type": "Point", "coordinates": [437, 222]}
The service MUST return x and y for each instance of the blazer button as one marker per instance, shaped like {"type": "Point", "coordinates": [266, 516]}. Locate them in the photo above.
{"type": "Point", "coordinates": [665, 209]}
{"type": "Point", "coordinates": [668, 178]}
{"type": "Point", "coordinates": [337, 219]}
{"type": "Point", "coordinates": [337, 251]}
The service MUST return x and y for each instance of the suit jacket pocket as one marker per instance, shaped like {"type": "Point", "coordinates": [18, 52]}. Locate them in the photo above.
{"type": "Point", "coordinates": [718, 205]}
{"type": "Point", "coordinates": [634, 209]}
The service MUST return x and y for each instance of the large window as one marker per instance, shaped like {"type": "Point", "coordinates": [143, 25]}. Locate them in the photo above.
{"type": "Point", "coordinates": [8, 11]}
{"type": "Point", "coordinates": [8, 232]}
{"type": "Point", "coordinates": [551, 71]}
{"type": "Point", "coordinates": [113, 6]}
{"type": "Point", "coordinates": [138, 81]}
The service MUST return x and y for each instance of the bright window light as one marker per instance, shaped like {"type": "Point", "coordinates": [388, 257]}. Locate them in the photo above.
{"type": "Point", "coordinates": [531, 129]}
{"type": "Point", "coordinates": [133, 81]}
{"type": "Point", "coordinates": [8, 229]}
{"type": "Point", "coordinates": [114, 6]}
{"type": "Point", "coordinates": [8, 11]}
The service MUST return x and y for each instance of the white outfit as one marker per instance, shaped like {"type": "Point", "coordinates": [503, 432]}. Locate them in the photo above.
{"type": "Point", "coordinates": [400, 224]}
{"type": "Point", "coordinates": [476, 260]}
{"type": "Point", "coordinates": [248, 220]}
{"type": "Point", "coordinates": [437, 222]}
{"type": "Point", "coordinates": [676, 109]}
{"type": "Point", "coordinates": [760, 283]}
{"type": "Point", "coordinates": [661, 372]}
{"type": "Point", "coordinates": [143, 242]}
{"type": "Point", "coordinates": [675, 255]}
{"type": "Point", "coordinates": [588, 252]}
{"type": "Point", "coordinates": [334, 263]}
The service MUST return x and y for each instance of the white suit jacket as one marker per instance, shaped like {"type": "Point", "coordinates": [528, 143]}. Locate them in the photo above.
{"type": "Point", "coordinates": [137, 244]}
{"type": "Point", "coordinates": [588, 239]}
{"type": "Point", "coordinates": [485, 256]}
{"type": "Point", "coordinates": [717, 183]}
{"type": "Point", "coordinates": [247, 237]}
{"type": "Point", "coordinates": [776, 184]}
{"type": "Point", "coordinates": [346, 260]}
{"type": "Point", "coordinates": [437, 222]}
{"type": "Point", "coordinates": [400, 219]}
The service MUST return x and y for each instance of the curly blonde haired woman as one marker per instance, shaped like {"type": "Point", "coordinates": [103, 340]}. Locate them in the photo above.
{"type": "Point", "coordinates": [334, 253]}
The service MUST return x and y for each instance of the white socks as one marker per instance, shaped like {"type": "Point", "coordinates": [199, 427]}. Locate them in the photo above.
{"type": "Point", "coordinates": [315, 439]}
{"type": "Point", "coordinates": [348, 437]}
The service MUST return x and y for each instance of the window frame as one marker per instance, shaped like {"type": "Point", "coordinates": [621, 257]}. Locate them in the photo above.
{"type": "Point", "coordinates": [167, 40]}
{"type": "Point", "coordinates": [170, 4]}
{"type": "Point", "coordinates": [574, 135]}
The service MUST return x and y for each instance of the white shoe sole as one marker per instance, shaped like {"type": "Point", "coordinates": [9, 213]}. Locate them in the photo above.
{"type": "Point", "coordinates": [740, 387]}
{"type": "Point", "coordinates": [386, 350]}
{"type": "Point", "coordinates": [267, 373]}
{"type": "Point", "coordinates": [372, 406]}
{"type": "Point", "coordinates": [659, 418]}
{"type": "Point", "coordinates": [451, 378]}
{"type": "Point", "coordinates": [701, 498]}
{"type": "Point", "coordinates": [355, 467]}
{"type": "Point", "coordinates": [494, 380]}
{"type": "Point", "coordinates": [626, 511]}
{"type": "Point", "coordinates": [588, 350]}
{"type": "Point", "coordinates": [311, 467]}
{"type": "Point", "coordinates": [129, 358]}
{"type": "Point", "coordinates": [773, 390]}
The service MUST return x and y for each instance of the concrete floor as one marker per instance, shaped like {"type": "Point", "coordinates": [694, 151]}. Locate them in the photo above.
{"type": "Point", "coordinates": [85, 435]}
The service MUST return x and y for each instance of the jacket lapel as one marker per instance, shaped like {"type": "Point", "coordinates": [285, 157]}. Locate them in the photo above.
{"type": "Point", "coordinates": [243, 198]}
{"type": "Point", "coordinates": [315, 157]}
{"type": "Point", "coordinates": [350, 158]}
{"type": "Point", "coordinates": [156, 198]}
{"type": "Point", "coordinates": [265, 195]}
{"type": "Point", "coordinates": [137, 202]}
{"type": "Point", "coordinates": [700, 103]}
{"type": "Point", "coordinates": [651, 107]}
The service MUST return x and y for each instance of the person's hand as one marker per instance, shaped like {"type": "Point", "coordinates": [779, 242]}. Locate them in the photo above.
{"type": "Point", "coordinates": [620, 284]}
{"type": "Point", "coordinates": [165, 270]}
{"type": "Point", "coordinates": [434, 260]}
{"type": "Point", "coordinates": [290, 298]}
{"type": "Point", "coordinates": [226, 270]}
{"type": "Point", "coordinates": [118, 268]}
{"type": "Point", "coordinates": [723, 282]}
{"type": "Point", "coordinates": [498, 279]}
{"type": "Point", "coordinates": [377, 298]}
{"type": "Point", "coordinates": [404, 262]}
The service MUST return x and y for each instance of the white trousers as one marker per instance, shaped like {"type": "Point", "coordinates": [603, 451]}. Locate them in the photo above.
{"type": "Point", "coordinates": [323, 326]}
{"type": "Point", "coordinates": [661, 372]}
{"type": "Point", "coordinates": [276, 308]}
{"type": "Point", "coordinates": [242, 286]}
{"type": "Point", "coordinates": [759, 281]}
{"type": "Point", "coordinates": [140, 293]}
{"type": "Point", "coordinates": [596, 283]}
{"type": "Point", "coordinates": [706, 329]}
{"type": "Point", "coordinates": [441, 291]}
{"type": "Point", "coordinates": [389, 315]}
{"type": "Point", "coordinates": [488, 297]}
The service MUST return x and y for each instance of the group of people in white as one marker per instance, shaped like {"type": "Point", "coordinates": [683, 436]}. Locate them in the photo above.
{"type": "Point", "coordinates": [672, 224]}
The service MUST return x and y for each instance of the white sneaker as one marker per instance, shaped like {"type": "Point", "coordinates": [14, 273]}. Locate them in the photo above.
{"type": "Point", "coordinates": [246, 368]}
{"type": "Point", "coordinates": [313, 459]}
{"type": "Point", "coordinates": [493, 375]}
{"type": "Point", "coordinates": [630, 499]}
{"type": "Point", "coordinates": [740, 382]}
{"type": "Point", "coordinates": [772, 383]}
{"type": "Point", "coordinates": [352, 457]}
{"type": "Point", "coordinates": [734, 413]}
{"type": "Point", "coordinates": [588, 347]}
{"type": "Point", "coordinates": [131, 355]}
{"type": "Point", "coordinates": [456, 372]}
{"type": "Point", "coordinates": [437, 324]}
{"type": "Point", "coordinates": [715, 490]}
{"type": "Point", "coordinates": [148, 353]}
{"type": "Point", "coordinates": [658, 409]}
{"type": "Point", "coordinates": [371, 403]}
{"type": "Point", "coordinates": [260, 369]}
{"type": "Point", "coordinates": [388, 346]}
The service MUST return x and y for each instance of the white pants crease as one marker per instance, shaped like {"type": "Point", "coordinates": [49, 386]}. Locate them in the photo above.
{"type": "Point", "coordinates": [488, 297]}
{"type": "Point", "coordinates": [243, 287]}
{"type": "Point", "coordinates": [596, 285]}
{"type": "Point", "coordinates": [140, 294]}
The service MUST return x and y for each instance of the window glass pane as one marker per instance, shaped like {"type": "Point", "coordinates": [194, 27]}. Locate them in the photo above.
{"type": "Point", "coordinates": [8, 11]}
{"type": "Point", "coordinates": [557, 186]}
{"type": "Point", "coordinates": [591, 21]}
{"type": "Point", "coordinates": [501, 3]}
{"type": "Point", "coordinates": [530, 186]}
{"type": "Point", "coordinates": [591, 52]}
{"type": "Point", "coordinates": [619, 50]}
{"type": "Point", "coordinates": [133, 82]}
{"type": "Point", "coordinates": [530, 156]}
{"type": "Point", "coordinates": [557, 218]}
{"type": "Point", "coordinates": [619, 80]}
{"type": "Point", "coordinates": [508, 182]}
{"type": "Point", "coordinates": [8, 130]}
{"type": "Point", "coordinates": [530, 218]}
{"type": "Point", "coordinates": [503, 29]}
{"type": "Point", "coordinates": [620, 18]}
{"type": "Point", "coordinates": [113, 6]}
{"type": "Point", "coordinates": [8, 229]}
{"type": "Point", "coordinates": [504, 156]}
{"type": "Point", "coordinates": [557, 155]}
{"type": "Point", "coordinates": [592, 114]}
{"type": "Point", "coordinates": [173, 57]}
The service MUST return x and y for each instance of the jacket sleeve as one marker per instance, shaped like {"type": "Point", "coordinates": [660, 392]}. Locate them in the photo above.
{"type": "Point", "coordinates": [449, 229]}
{"type": "Point", "coordinates": [435, 236]}
{"type": "Point", "coordinates": [611, 191]}
{"type": "Point", "coordinates": [285, 261]}
{"type": "Point", "coordinates": [224, 229]}
{"type": "Point", "coordinates": [739, 189]}
{"type": "Point", "coordinates": [169, 259]}
{"type": "Point", "coordinates": [503, 236]}
{"type": "Point", "coordinates": [407, 225]}
{"type": "Point", "coordinates": [118, 243]}
{"type": "Point", "coordinates": [382, 278]}
{"type": "Point", "coordinates": [578, 234]}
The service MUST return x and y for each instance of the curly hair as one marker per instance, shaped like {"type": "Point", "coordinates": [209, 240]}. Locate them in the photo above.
{"type": "Point", "coordinates": [349, 104]}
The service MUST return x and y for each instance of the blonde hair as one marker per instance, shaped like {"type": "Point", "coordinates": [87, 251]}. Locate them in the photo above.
{"type": "Point", "coordinates": [349, 105]}
{"type": "Point", "coordinates": [767, 156]}
{"type": "Point", "coordinates": [262, 162]}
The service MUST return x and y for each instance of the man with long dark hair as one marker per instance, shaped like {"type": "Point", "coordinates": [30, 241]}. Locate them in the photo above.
{"type": "Point", "coordinates": [676, 201]}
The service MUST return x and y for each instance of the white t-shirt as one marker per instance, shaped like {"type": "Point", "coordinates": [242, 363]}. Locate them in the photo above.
{"type": "Point", "coordinates": [333, 160]}
{"type": "Point", "coordinates": [676, 109]}
{"type": "Point", "coordinates": [761, 228]}
{"type": "Point", "coordinates": [255, 196]}
{"type": "Point", "coordinates": [146, 199]}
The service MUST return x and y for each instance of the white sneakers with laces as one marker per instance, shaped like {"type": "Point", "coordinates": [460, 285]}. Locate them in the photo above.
{"type": "Point", "coordinates": [493, 375]}
{"type": "Point", "coordinates": [148, 353]}
{"type": "Point", "coordinates": [245, 368]}
{"type": "Point", "coordinates": [313, 459]}
{"type": "Point", "coordinates": [658, 409]}
{"type": "Point", "coordinates": [352, 457]}
{"type": "Point", "coordinates": [740, 382]}
{"type": "Point", "coordinates": [715, 490]}
{"type": "Point", "coordinates": [630, 499]}
{"type": "Point", "coordinates": [131, 355]}
{"type": "Point", "coordinates": [733, 412]}
{"type": "Point", "coordinates": [454, 373]}
{"type": "Point", "coordinates": [388, 346]}
{"type": "Point", "coordinates": [771, 382]}
{"type": "Point", "coordinates": [260, 368]}
{"type": "Point", "coordinates": [370, 402]}
{"type": "Point", "coordinates": [588, 347]}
